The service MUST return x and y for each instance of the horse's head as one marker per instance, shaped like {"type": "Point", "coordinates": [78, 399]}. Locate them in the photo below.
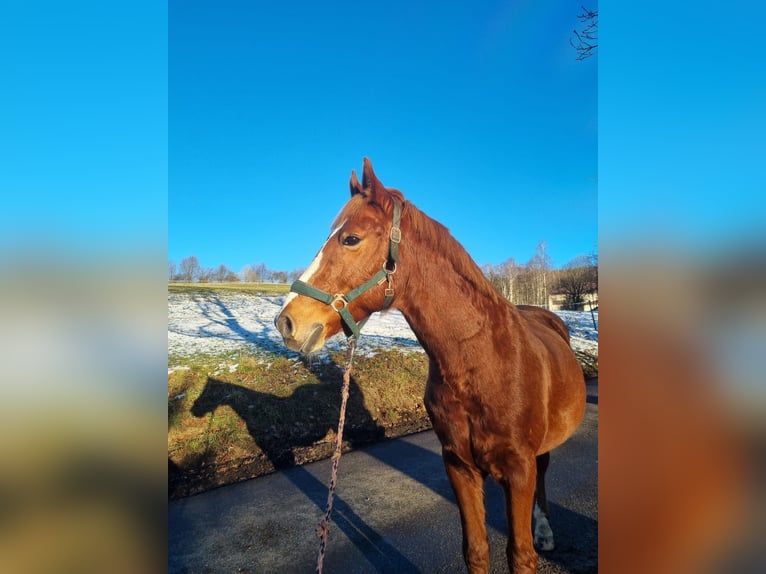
{"type": "Point", "coordinates": [352, 275]}
{"type": "Point", "coordinates": [215, 394]}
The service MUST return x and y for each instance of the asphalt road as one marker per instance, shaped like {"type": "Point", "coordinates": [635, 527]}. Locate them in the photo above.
{"type": "Point", "coordinates": [394, 512]}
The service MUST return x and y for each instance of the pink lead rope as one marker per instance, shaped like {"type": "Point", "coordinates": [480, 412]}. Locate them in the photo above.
{"type": "Point", "coordinates": [323, 530]}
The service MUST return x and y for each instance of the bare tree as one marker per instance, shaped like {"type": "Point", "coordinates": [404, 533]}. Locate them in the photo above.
{"type": "Point", "coordinates": [206, 275]}
{"type": "Point", "coordinates": [189, 269]}
{"type": "Point", "coordinates": [279, 276]}
{"type": "Point", "coordinates": [593, 262]}
{"type": "Point", "coordinates": [578, 278]}
{"type": "Point", "coordinates": [491, 272]}
{"type": "Point", "coordinates": [539, 267]}
{"type": "Point", "coordinates": [511, 272]}
{"type": "Point", "coordinates": [249, 274]}
{"type": "Point", "coordinates": [586, 43]}
{"type": "Point", "coordinates": [171, 270]}
{"type": "Point", "coordinates": [261, 272]}
{"type": "Point", "coordinates": [221, 273]}
{"type": "Point", "coordinates": [255, 273]}
{"type": "Point", "coordinates": [504, 278]}
{"type": "Point", "coordinates": [523, 284]}
{"type": "Point", "coordinates": [295, 274]}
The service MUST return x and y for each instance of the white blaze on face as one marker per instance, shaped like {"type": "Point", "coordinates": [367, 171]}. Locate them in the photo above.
{"type": "Point", "coordinates": [309, 273]}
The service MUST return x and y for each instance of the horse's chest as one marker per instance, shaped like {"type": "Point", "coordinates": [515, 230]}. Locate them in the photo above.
{"type": "Point", "coordinates": [485, 435]}
{"type": "Point", "coordinates": [467, 425]}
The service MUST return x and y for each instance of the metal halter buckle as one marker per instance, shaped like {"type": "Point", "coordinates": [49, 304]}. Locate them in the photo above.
{"type": "Point", "coordinates": [396, 234]}
{"type": "Point", "coordinates": [339, 297]}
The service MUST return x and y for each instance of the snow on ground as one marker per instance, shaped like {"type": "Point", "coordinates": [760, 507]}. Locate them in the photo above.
{"type": "Point", "coordinates": [224, 323]}
{"type": "Point", "coordinates": [583, 330]}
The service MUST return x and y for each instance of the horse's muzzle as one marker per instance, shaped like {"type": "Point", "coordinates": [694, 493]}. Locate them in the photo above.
{"type": "Point", "coordinates": [306, 342]}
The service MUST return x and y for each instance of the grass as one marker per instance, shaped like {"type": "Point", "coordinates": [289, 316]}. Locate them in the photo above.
{"type": "Point", "coordinates": [588, 362]}
{"type": "Point", "coordinates": [233, 418]}
{"type": "Point", "coordinates": [262, 288]}
{"type": "Point", "coordinates": [259, 413]}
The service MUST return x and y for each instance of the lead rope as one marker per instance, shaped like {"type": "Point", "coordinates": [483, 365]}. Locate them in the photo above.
{"type": "Point", "coordinates": [323, 530]}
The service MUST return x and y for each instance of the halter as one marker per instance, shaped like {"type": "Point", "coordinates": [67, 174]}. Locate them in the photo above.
{"type": "Point", "coordinates": [339, 302]}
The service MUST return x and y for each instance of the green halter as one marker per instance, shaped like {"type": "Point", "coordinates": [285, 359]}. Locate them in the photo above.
{"type": "Point", "coordinates": [339, 302]}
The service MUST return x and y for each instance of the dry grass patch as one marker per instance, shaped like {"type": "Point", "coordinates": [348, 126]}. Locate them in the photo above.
{"type": "Point", "coordinates": [235, 417]}
{"type": "Point", "coordinates": [248, 415]}
{"type": "Point", "coordinates": [235, 287]}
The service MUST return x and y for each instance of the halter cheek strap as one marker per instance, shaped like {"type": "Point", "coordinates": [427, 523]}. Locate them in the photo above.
{"type": "Point", "coordinates": [339, 302]}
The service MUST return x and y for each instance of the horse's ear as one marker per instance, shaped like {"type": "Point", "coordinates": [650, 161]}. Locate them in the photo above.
{"type": "Point", "coordinates": [375, 191]}
{"type": "Point", "coordinates": [371, 183]}
{"type": "Point", "coordinates": [356, 187]}
{"type": "Point", "coordinates": [369, 180]}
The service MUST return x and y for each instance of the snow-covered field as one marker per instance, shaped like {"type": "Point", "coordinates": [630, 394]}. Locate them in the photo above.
{"type": "Point", "coordinates": [224, 323]}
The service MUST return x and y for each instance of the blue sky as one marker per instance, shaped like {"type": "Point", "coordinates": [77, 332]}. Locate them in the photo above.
{"type": "Point", "coordinates": [682, 127]}
{"type": "Point", "coordinates": [232, 135]}
{"type": "Point", "coordinates": [478, 112]}
{"type": "Point", "coordinates": [83, 127]}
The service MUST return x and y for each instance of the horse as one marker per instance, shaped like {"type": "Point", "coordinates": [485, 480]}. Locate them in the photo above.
{"type": "Point", "coordinates": [504, 387]}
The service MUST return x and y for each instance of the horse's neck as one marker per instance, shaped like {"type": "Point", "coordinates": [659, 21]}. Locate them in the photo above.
{"type": "Point", "coordinates": [451, 307]}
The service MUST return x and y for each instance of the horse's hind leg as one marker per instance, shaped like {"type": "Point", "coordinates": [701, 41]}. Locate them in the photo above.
{"type": "Point", "coordinates": [542, 527]}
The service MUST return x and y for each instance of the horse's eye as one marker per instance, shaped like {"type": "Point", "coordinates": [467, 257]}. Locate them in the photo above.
{"type": "Point", "coordinates": [351, 240]}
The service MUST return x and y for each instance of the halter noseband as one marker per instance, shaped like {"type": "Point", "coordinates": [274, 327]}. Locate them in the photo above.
{"type": "Point", "coordinates": [339, 302]}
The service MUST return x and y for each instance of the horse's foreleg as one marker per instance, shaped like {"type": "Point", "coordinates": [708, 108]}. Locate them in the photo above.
{"type": "Point", "coordinates": [519, 487]}
{"type": "Point", "coordinates": [543, 533]}
{"type": "Point", "coordinates": [468, 485]}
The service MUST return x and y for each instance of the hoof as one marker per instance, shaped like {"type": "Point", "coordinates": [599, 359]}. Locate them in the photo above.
{"type": "Point", "coordinates": [543, 533]}
{"type": "Point", "coordinates": [544, 544]}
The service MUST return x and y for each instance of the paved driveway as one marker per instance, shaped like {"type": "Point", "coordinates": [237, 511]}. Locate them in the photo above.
{"type": "Point", "coordinates": [394, 512]}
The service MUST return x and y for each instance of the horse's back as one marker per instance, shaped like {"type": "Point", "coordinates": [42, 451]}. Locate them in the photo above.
{"type": "Point", "coordinates": [545, 317]}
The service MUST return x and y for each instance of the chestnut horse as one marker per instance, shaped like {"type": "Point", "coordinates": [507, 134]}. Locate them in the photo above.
{"type": "Point", "coordinates": [504, 387]}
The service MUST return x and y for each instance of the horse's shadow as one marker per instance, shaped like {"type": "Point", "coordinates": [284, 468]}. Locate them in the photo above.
{"type": "Point", "coordinates": [280, 449]}
{"type": "Point", "coordinates": [298, 420]}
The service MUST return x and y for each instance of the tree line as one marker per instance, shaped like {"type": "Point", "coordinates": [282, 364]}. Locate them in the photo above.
{"type": "Point", "coordinates": [536, 281]}
{"type": "Point", "coordinates": [530, 283]}
{"type": "Point", "coordinates": [189, 270]}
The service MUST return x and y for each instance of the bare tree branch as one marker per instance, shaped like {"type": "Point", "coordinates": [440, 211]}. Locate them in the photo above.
{"type": "Point", "coordinates": [586, 42]}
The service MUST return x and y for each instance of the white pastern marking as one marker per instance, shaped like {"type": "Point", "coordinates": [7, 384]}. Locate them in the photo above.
{"type": "Point", "coordinates": [543, 532]}
{"type": "Point", "coordinates": [309, 272]}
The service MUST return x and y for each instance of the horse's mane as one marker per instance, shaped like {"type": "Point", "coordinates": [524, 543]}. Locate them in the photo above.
{"type": "Point", "coordinates": [439, 238]}
{"type": "Point", "coordinates": [428, 231]}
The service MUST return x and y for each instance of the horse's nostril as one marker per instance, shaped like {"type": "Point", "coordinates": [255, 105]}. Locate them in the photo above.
{"type": "Point", "coordinates": [284, 325]}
